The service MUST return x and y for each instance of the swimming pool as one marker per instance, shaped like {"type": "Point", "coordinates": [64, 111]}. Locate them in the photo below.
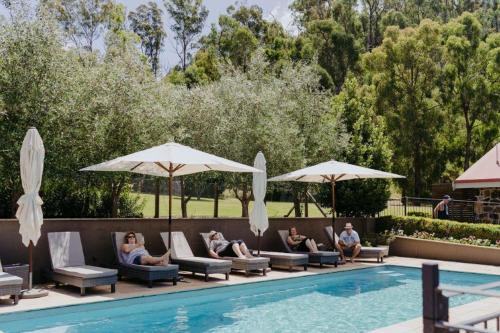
{"type": "Point", "coordinates": [355, 301]}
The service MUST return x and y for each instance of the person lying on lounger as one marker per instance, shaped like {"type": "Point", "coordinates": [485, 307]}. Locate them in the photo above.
{"type": "Point", "coordinates": [220, 247]}
{"type": "Point", "coordinates": [134, 252]}
{"type": "Point", "coordinates": [349, 240]}
{"type": "Point", "coordinates": [300, 243]}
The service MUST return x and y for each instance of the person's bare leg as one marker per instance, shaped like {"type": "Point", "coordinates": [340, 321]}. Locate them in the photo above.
{"type": "Point", "coordinates": [355, 251]}
{"type": "Point", "coordinates": [245, 251]}
{"type": "Point", "coordinates": [236, 249]}
{"type": "Point", "coordinates": [341, 252]}
{"type": "Point", "coordinates": [314, 245]}
{"type": "Point", "coordinates": [148, 260]}
{"type": "Point", "coordinates": [310, 246]}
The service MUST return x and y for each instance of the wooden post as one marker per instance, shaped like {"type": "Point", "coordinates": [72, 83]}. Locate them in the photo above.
{"type": "Point", "coordinates": [332, 181]}
{"type": "Point", "coordinates": [157, 198]}
{"type": "Point", "coordinates": [435, 305]}
{"type": "Point", "coordinates": [306, 204]}
{"type": "Point", "coordinates": [216, 199]}
{"type": "Point", "coordinates": [170, 175]}
{"type": "Point", "coordinates": [406, 205]}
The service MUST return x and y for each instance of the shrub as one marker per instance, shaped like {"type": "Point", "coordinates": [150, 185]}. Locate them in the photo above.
{"type": "Point", "coordinates": [440, 228]}
{"type": "Point", "coordinates": [420, 214]}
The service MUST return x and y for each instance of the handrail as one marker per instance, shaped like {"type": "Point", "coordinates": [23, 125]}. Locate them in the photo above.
{"type": "Point", "coordinates": [468, 329]}
{"type": "Point", "coordinates": [436, 304]}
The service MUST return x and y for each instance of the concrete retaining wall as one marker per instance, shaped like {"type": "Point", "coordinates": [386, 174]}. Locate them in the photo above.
{"type": "Point", "coordinates": [438, 250]}
{"type": "Point", "coordinates": [96, 240]}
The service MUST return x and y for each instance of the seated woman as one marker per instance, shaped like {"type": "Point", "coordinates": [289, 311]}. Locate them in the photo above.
{"type": "Point", "coordinates": [219, 247]}
{"type": "Point", "coordinates": [133, 252]}
{"type": "Point", "coordinates": [300, 243]}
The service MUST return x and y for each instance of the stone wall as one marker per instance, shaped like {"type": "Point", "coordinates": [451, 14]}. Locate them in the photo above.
{"type": "Point", "coordinates": [488, 207]}
{"type": "Point", "coordinates": [96, 239]}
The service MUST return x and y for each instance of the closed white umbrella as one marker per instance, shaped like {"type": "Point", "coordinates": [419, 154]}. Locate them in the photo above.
{"type": "Point", "coordinates": [29, 212]}
{"type": "Point", "coordinates": [332, 172]}
{"type": "Point", "coordinates": [258, 218]}
{"type": "Point", "coordinates": [170, 160]}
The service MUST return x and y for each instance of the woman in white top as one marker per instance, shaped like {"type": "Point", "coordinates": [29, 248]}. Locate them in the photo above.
{"type": "Point", "coordinates": [133, 252]}
{"type": "Point", "coordinates": [220, 247]}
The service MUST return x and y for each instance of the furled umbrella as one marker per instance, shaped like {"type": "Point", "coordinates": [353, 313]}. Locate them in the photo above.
{"type": "Point", "coordinates": [258, 218]}
{"type": "Point", "coordinates": [170, 160]}
{"type": "Point", "coordinates": [333, 172]}
{"type": "Point", "coordinates": [29, 212]}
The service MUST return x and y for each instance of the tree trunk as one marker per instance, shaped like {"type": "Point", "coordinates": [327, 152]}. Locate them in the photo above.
{"type": "Point", "coordinates": [244, 199]}
{"type": "Point", "coordinates": [417, 171]}
{"type": "Point", "coordinates": [296, 205]}
{"type": "Point", "coordinates": [157, 198]}
{"type": "Point", "coordinates": [216, 199]}
{"type": "Point", "coordinates": [468, 144]}
{"type": "Point", "coordinates": [115, 198]}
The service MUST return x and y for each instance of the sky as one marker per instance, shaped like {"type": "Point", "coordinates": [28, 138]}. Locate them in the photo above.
{"type": "Point", "coordinates": [273, 9]}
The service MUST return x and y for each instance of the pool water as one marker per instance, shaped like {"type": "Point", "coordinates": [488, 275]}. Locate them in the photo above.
{"type": "Point", "coordinates": [350, 301]}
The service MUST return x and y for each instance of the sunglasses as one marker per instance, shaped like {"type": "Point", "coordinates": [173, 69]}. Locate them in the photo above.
{"type": "Point", "coordinates": [131, 236]}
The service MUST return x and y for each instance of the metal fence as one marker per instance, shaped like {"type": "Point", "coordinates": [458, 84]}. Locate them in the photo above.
{"type": "Point", "coordinates": [459, 210]}
{"type": "Point", "coordinates": [436, 305]}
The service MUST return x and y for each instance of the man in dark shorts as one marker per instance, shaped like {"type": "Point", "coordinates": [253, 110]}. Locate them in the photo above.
{"type": "Point", "coordinates": [441, 211]}
{"type": "Point", "coordinates": [349, 241]}
{"type": "Point", "coordinates": [220, 247]}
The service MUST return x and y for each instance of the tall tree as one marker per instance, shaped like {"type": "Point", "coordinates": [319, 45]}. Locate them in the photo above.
{"type": "Point", "coordinates": [305, 11]}
{"type": "Point", "coordinates": [188, 19]}
{"type": "Point", "coordinates": [84, 21]}
{"type": "Point", "coordinates": [147, 23]}
{"type": "Point", "coordinates": [405, 70]}
{"type": "Point", "coordinates": [467, 87]}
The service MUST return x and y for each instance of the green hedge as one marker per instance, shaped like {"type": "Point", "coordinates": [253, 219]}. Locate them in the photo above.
{"type": "Point", "coordinates": [440, 228]}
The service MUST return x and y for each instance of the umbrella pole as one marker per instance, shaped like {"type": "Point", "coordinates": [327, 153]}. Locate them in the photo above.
{"type": "Point", "coordinates": [258, 244]}
{"type": "Point", "coordinates": [332, 181]}
{"type": "Point", "coordinates": [170, 209]}
{"type": "Point", "coordinates": [30, 250]}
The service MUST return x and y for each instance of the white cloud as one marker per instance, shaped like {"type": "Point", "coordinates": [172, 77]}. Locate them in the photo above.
{"type": "Point", "coordinates": [283, 14]}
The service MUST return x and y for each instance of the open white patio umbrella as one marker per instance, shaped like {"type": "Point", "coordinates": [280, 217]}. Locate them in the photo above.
{"type": "Point", "coordinates": [332, 172]}
{"type": "Point", "coordinates": [170, 160]}
{"type": "Point", "coordinates": [29, 212]}
{"type": "Point", "coordinates": [258, 218]}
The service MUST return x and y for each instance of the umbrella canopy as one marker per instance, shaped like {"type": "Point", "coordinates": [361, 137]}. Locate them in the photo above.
{"type": "Point", "coordinates": [170, 159]}
{"type": "Point", "coordinates": [485, 173]}
{"type": "Point", "coordinates": [258, 218]}
{"type": "Point", "coordinates": [332, 172]}
{"type": "Point", "coordinates": [29, 212]}
{"type": "Point", "coordinates": [327, 172]}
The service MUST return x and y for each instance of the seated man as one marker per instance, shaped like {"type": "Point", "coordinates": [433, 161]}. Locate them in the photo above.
{"type": "Point", "coordinates": [349, 240]}
{"type": "Point", "coordinates": [219, 247]}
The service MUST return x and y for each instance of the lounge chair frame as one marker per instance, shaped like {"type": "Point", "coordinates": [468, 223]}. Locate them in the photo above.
{"type": "Point", "coordinates": [73, 239]}
{"type": "Point", "coordinates": [149, 274]}
{"type": "Point", "coordinates": [247, 265]}
{"type": "Point", "coordinates": [188, 262]}
{"type": "Point", "coordinates": [366, 252]}
{"type": "Point", "coordinates": [320, 257]}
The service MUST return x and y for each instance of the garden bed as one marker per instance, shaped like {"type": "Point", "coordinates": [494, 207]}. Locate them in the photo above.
{"type": "Point", "coordinates": [442, 250]}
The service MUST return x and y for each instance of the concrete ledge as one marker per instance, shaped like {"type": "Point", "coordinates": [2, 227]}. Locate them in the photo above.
{"type": "Point", "coordinates": [441, 250]}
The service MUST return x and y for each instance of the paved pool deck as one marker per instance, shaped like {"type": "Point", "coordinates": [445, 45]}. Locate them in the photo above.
{"type": "Point", "coordinates": [68, 295]}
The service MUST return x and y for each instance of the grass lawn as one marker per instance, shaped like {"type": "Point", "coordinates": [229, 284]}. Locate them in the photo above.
{"type": "Point", "coordinates": [205, 207]}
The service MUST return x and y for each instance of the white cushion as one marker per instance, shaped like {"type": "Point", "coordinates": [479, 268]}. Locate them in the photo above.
{"type": "Point", "coordinates": [86, 271]}
{"type": "Point", "coordinates": [7, 279]}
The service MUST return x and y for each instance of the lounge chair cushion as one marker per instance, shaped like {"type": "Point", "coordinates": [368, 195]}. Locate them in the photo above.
{"type": "Point", "coordinates": [65, 249]}
{"type": "Point", "coordinates": [180, 248]}
{"type": "Point", "coordinates": [148, 268]}
{"type": "Point", "coordinates": [203, 262]}
{"type": "Point", "coordinates": [7, 279]}
{"type": "Point", "coordinates": [86, 271]}
{"type": "Point", "coordinates": [284, 255]}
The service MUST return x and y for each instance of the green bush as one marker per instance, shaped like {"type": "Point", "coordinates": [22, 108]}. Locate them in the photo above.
{"type": "Point", "coordinates": [440, 228]}
{"type": "Point", "coordinates": [420, 214]}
